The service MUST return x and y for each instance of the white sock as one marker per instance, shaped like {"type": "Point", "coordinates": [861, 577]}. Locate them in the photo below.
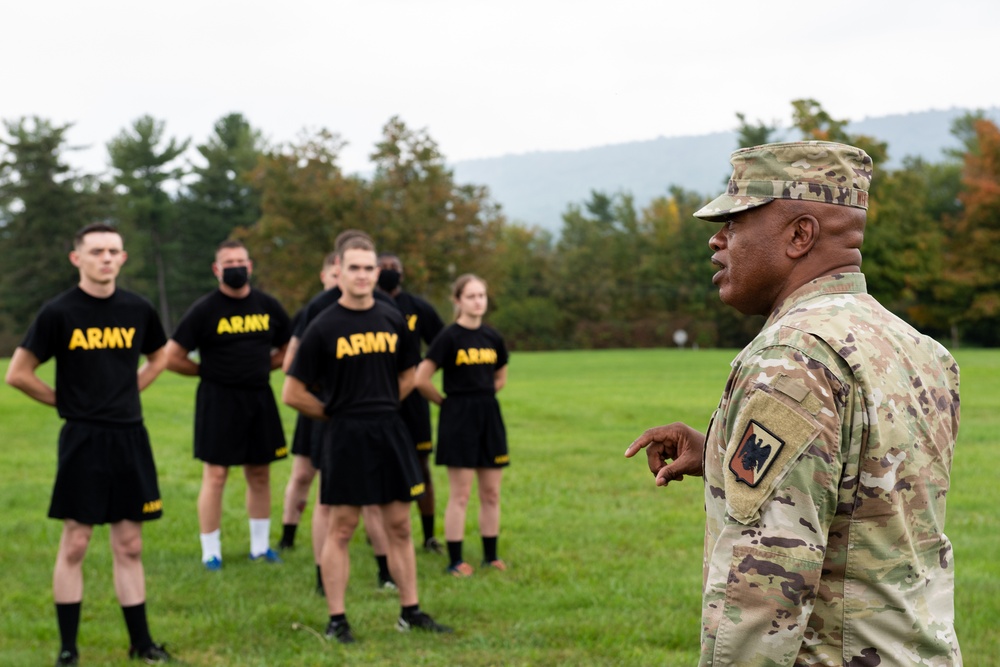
{"type": "Point", "coordinates": [260, 534]}
{"type": "Point", "coordinates": [211, 545]}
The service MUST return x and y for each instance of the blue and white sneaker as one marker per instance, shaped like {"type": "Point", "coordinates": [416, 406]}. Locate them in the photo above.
{"type": "Point", "coordinates": [213, 564]}
{"type": "Point", "coordinates": [269, 556]}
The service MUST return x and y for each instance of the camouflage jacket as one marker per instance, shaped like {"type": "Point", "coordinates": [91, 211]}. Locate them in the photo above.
{"type": "Point", "coordinates": [827, 466]}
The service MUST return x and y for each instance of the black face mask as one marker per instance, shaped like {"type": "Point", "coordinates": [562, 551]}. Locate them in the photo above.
{"type": "Point", "coordinates": [235, 276]}
{"type": "Point", "coordinates": [388, 279]}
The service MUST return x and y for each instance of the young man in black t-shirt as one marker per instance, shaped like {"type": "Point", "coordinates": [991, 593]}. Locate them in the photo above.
{"type": "Point", "coordinates": [106, 474]}
{"type": "Point", "coordinates": [361, 356]}
{"type": "Point", "coordinates": [421, 318]}
{"type": "Point", "coordinates": [308, 434]}
{"type": "Point", "coordinates": [241, 334]}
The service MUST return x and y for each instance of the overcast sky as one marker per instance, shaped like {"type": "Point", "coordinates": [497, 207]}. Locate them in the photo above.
{"type": "Point", "coordinates": [485, 78]}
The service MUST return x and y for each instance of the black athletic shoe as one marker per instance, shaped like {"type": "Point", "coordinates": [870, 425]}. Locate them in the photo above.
{"type": "Point", "coordinates": [431, 544]}
{"type": "Point", "coordinates": [341, 631]}
{"type": "Point", "coordinates": [421, 621]}
{"type": "Point", "coordinates": [386, 584]}
{"type": "Point", "coordinates": [67, 658]}
{"type": "Point", "coordinates": [154, 655]}
{"type": "Point", "coordinates": [285, 546]}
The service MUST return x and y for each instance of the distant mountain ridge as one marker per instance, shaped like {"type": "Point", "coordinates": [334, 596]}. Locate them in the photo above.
{"type": "Point", "coordinates": [535, 188]}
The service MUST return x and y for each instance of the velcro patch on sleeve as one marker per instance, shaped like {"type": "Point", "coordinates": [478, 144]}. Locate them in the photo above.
{"type": "Point", "coordinates": [768, 436]}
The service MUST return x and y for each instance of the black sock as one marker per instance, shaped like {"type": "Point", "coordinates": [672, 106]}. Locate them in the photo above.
{"type": "Point", "coordinates": [338, 618]}
{"type": "Point", "coordinates": [319, 580]}
{"type": "Point", "coordinates": [68, 616]}
{"type": "Point", "coordinates": [138, 630]}
{"type": "Point", "coordinates": [383, 568]}
{"type": "Point", "coordinates": [406, 612]}
{"type": "Point", "coordinates": [288, 534]}
{"type": "Point", "coordinates": [490, 548]}
{"type": "Point", "coordinates": [454, 552]}
{"type": "Point", "coordinates": [427, 521]}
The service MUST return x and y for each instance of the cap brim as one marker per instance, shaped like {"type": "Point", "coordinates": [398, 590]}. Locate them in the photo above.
{"type": "Point", "coordinates": [723, 206]}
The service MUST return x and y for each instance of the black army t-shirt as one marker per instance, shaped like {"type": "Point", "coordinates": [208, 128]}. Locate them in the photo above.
{"type": "Point", "coordinates": [468, 358]}
{"type": "Point", "coordinates": [97, 343]}
{"type": "Point", "coordinates": [235, 337]}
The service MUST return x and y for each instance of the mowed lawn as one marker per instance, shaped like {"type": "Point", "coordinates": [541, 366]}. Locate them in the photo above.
{"type": "Point", "coordinates": [605, 569]}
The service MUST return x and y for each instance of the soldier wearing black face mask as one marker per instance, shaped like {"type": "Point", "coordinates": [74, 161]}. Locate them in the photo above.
{"type": "Point", "coordinates": [421, 317]}
{"type": "Point", "coordinates": [241, 335]}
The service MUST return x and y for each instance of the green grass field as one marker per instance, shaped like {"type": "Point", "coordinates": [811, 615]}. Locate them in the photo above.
{"type": "Point", "coordinates": [605, 569]}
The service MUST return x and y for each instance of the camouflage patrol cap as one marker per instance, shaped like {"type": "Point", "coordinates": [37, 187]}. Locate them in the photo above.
{"type": "Point", "coordinates": [820, 171]}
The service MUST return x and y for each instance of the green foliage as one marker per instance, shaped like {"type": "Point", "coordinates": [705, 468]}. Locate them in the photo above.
{"type": "Point", "coordinates": [605, 568]}
{"type": "Point", "coordinates": [42, 204]}
{"type": "Point", "coordinates": [754, 135]}
{"type": "Point", "coordinates": [440, 228]}
{"type": "Point", "coordinates": [617, 274]}
{"type": "Point", "coordinates": [220, 199]}
{"type": "Point", "coordinates": [147, 214]}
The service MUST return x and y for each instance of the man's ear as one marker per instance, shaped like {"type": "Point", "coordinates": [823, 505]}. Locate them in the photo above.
{"type": "Point", "coordinates": [805, 234]}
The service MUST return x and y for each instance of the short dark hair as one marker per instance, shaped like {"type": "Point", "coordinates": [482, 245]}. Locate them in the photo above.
{"type": "Point", "coordinates": [348, 234]}
{"type": "Point", "coordinates": [230, 243]}
{"type": "Point", "coordinates": [92, 228]}
{"type": "Point", "coordinates": [357, 242]}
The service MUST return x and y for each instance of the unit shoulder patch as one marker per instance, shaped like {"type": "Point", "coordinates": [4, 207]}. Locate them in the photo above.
{"type": "Point", "coordinates": [757, 450]}
{"type": "Point", "coordinates": [769, 435]}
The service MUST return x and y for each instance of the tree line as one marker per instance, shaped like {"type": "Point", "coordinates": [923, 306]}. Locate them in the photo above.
{"type": "Point", "coordinates": [615, 276]}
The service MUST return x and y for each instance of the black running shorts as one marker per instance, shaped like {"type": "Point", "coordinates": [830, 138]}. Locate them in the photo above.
{"type": "Point", "coordinates": [416, 414]}
{"type": "Point", "coordinates": [471, 433]}
{"type": "Point", "coordinates": [308, 436]}
{"type": "Point", "coordinates": [235, 426]}
{"type": "Point", "coordinates": [106, 474]}
{"type": "Point", "coordinates": [368, 461]}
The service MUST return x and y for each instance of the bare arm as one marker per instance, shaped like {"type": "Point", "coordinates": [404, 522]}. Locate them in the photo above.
{"type": "Point", "coordinates": [500, 379]}
{"type": "Point", "coordinates": [21, 375]}
{"type": "Point", "coordinates": [406, 382]}
{"type": "Point", "coordinates": [295, 394]}
{"type": "Point", "coordinates": [677, 442]}
{"type": "Point", "coordinates": [178, 360]}
{"type": "Point", "coordinates": [425, 370]}
{"type": "Point", "coordinates": [290, 350]}
{"type": "Point", "coordinates": [154, 365]}
{"type": "Point", "coordinates": [278, 357]}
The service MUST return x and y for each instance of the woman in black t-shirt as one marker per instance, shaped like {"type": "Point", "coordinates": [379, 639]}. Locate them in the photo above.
{"type": "Point", "coordinates": [472, 440]}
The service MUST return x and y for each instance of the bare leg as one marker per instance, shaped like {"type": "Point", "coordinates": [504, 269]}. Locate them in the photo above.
{"type": "Point", "coordinates": [336, 561]}
{"type": "Point", "coordinates": [126, 550]}
{"type": "Point", "coordinates": [402, 558]}
{"type": "Point", "coordinates": [297, 490]}
{"type": "Point", "coordinates": [258, 490]}
{"type": "Point", "coordinates": [213, 482]}
{"type": "Point", "coordinates": [320, 527]}
{"type": "Point", "coordinates": [489, 500]}
{"type": "Point", "coordinates": [375, 529]}
{"type": "Point", "coordinates": [459, 488]}
{"type": "Point", "coordinates": [67, 577]}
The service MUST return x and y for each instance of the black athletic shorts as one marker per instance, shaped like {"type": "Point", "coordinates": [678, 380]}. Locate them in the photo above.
{"type": "Point", "coordinates": [308, 436]}
{"type": "Point", "coordinates": [471, 433]}
{"type": "Point", "coordinates": [235, 426]}
{"type": "Point", "coordinates": [106, 474]}
{"type": "Point", "coordinates": [368, 460]}
{"type": "Point", "coordinates": [416, 414]}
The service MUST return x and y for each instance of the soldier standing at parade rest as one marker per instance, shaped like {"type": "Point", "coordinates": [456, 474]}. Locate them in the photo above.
{"type": "Point", "coordinates": [361, 355]}
{"type": "Point", "coordinates": [309, 434]}
{"type": "Point", "coordinates": [472, 439]}
{"type": "Point", "coordinates": [827, 462]}
{"type": "Point", "coordinates": [423, 319]}
{"type": "Point", "coordinates": [106, 474]}
{"type": "Point", "coordinates": [241, 334]}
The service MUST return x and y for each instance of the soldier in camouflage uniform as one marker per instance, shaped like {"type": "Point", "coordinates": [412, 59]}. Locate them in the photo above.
{"type": "Point", "coordinates": [827, 461]}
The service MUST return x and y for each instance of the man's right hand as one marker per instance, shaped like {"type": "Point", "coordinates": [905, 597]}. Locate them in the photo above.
{"type": "Point", "coordinates": [672, 451]}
